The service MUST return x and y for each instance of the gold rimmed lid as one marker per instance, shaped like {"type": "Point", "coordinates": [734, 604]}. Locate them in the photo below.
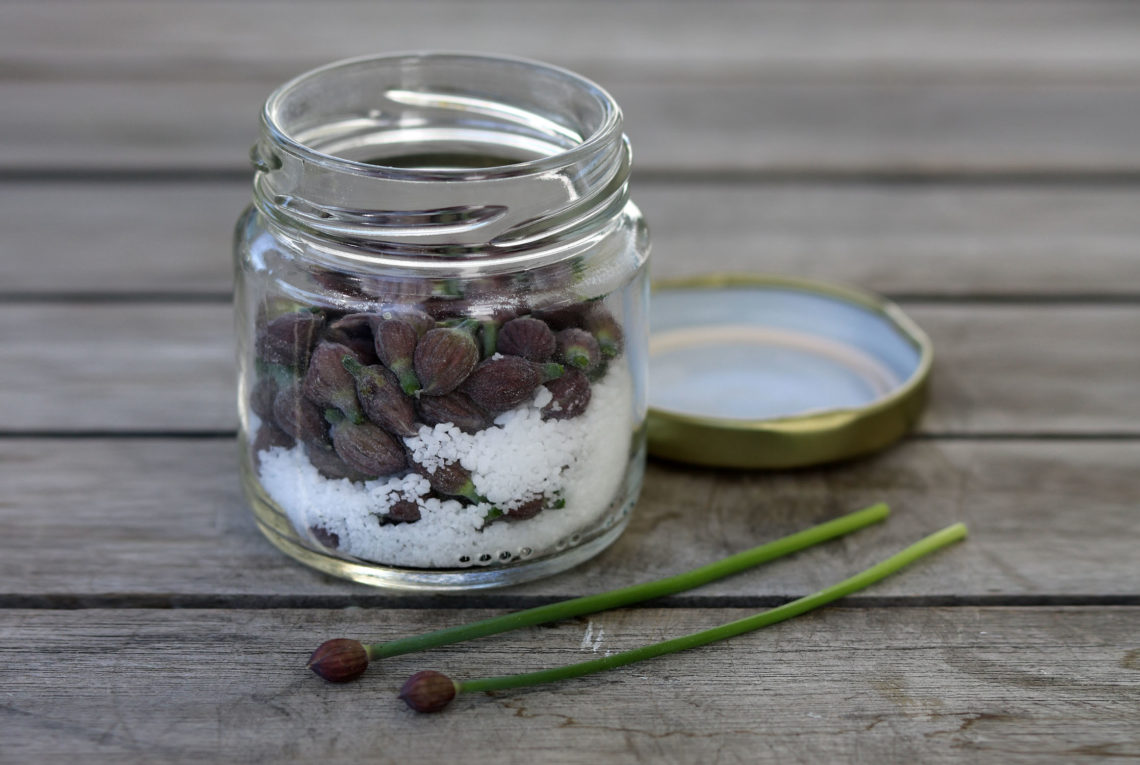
{"type": "Point", "coordinates": [751, 371]}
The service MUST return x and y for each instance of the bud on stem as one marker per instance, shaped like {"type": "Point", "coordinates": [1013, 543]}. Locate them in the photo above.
{"type": "Point", "coordinates": [602, 601]}
{"type": "Point", "coordinates": [396, 336]}
{"type": "Point", "coordinates": [428, 691]}
{"type": "Point", "coordinates": [339, 660]}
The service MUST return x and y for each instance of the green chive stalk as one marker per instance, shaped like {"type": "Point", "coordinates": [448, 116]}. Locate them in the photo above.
{"type": "Point", "coordinates": [342, 659]}
{"type": "Point", "coordinates": [605, 601]}
{"type": "Point", "coordinates": [429, 691]}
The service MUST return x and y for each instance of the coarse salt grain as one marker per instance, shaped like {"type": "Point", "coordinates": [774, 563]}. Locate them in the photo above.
{"type": "Point", "coordinates": [580, 461]}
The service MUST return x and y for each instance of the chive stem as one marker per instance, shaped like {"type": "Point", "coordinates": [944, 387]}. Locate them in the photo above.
{"type": "Point", "coordinates": [634, 594]}
{"type": "Point", "coordinates": [925, 546]}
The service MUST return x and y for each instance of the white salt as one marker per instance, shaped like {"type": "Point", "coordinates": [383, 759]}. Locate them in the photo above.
{"type": "Point", "coordinates": [580, 460]}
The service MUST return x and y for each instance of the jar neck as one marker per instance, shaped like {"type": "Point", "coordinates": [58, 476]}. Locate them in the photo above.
{"type": "Point", "coordinates": [441, 155]}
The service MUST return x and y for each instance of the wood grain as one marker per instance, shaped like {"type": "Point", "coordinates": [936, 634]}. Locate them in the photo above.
{"type": "Point", "coordinates": [159, 368]}
{"type": "Point", "coordinates": [937, 240]}
{"type": "Point", "coordinates": [746, 126]}
{"type": "Point", "coordinates": [218, 38]}
{"type": "Point", "coordinates": [772, 87]}
{"type": "Point", "coordinates": [769, 136]}
{"type": "Point", "coordinates": [162, 522]}
{"type": "Point", "coordinates": [987, 685]}
{"type": "Point", "coordinates": [135, 367]}
{"type": "Point", "coordinates": [761, 88]}
{"type": "Point", "coordinates": [118, 237]}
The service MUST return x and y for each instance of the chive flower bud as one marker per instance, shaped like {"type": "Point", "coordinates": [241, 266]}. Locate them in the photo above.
{"type": "Point", "coordinates": [339, 660]}
{"type": "Point", "coordinates": [428, 691]}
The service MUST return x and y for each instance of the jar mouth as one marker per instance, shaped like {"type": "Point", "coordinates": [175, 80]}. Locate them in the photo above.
{"type": "Point", "coordinates": [436, 116]}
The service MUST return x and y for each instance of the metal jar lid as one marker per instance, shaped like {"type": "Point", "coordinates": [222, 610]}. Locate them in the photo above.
{"type": "Point", "coordinates": [752, 371]}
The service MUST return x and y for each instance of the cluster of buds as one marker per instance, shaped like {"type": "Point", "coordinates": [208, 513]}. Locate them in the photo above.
{"type": "Point", "coordinates": [351, 387]}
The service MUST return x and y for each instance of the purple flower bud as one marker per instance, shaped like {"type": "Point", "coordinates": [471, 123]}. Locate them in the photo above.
{"type": "Point", "coordinates": [419, 320]}
{"type": "Point", "coordinates": [403, 511]}
{"type": "Point", "coordinates": [288, 339]}
{"type": "Point", "coordinates": [578, 348]}
{"type": "Point", "coordinates": [352, 325]}
{"type": "Point", "coordinates": [381, 397]}
{"type": "Point", "coordinates": [261, 397]}
{"type": "Point", "coordinates": [456, 408]}
{"type": "Point", "coordinates": [368, 448]}
{"type": "Point", "coordinates": [354, 331]}
{"type": "Point", "coordinates": [339, 660]}
{"type": "Point", "coordinates": [395, 344]}
{"type": "Point", "coordinates": [601, 323]}
{"type": "Point", "coordinates": [330, 465]}
{"type": "Point", "coordinates": [529, 338]}
{"type": "Point", "coordinates": [451, 479]}
{"type": "Point", "coordinates": [328, 383]}
{"type": "Point", "coordinates": [269, 436]}
{"type": "Point", "coordinates": [563, 317]}
{"type": "Point", "coordinates": [443, 359]}
{"type": "Point", "coordinates": [440, 307]}
{"type": "Point", "coordinates": [571, 396]}
{"type": "Point", "coordinates": [501, 384]}
{"type": "Point", "coordinates": [527, 510]}
{"type": "Point", "coordinates": [428, 691]}
{"type": "Point", "coordinates": [301, 418]}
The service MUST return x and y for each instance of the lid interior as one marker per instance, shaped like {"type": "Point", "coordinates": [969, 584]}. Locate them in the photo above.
{"type": "Point", "coordinates": [762, 352]}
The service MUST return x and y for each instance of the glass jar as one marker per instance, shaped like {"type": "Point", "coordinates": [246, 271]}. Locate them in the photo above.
{"type": "Point", "coordinates": [441, 321]}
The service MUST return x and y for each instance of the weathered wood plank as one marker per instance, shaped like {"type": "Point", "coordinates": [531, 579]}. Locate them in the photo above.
{"type": "Point", "coordinates": [155, 367]}
{"type": "Point", "coordinates": [163, 521]}
{"type": "Point", "coordinates": [728, 125]}
{"type": "Point", "coordinates": [996, 364]}
{"type": "Point", "coordinates": [135, 367]}
{"type": "Point", "coordinates": [782, 87]}
{"type": "Point", "coordinates": [118, 237]}
{"type": "Point", "coordinates": [1097, 38]}
{"type": "Point", "coordinates": [920, 240]}
{"type": "Point", "coordinates": [989, 685]}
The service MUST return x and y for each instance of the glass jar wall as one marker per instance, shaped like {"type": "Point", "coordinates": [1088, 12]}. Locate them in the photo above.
{"type": "Point", "coordinates": [441, 315]}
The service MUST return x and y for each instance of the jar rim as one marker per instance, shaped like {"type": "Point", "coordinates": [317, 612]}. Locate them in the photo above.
{"type": "Point", "coordinates": [607, 131]}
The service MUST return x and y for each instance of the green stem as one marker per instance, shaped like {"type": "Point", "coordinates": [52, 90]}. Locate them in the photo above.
{"type": "Point", "coordinates": [863, 579]}
{"type": "Point", "coordinates": [490, 338]}
{"type": "Point", "coordinates": [638, 592]}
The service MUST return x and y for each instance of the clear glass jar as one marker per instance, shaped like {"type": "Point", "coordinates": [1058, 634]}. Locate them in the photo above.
{"type": "Point", "coordinates": [441, 312]}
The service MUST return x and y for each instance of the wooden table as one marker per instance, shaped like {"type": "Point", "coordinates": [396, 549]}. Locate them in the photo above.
{"type": "Point", "coordinates": [979, 162]}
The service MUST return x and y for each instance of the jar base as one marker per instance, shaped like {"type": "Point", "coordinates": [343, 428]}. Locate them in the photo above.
{"type": "Point", "coordinates": [280, 533]}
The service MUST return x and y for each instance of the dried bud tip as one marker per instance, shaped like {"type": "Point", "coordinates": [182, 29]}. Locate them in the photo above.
{"type": "Point", "coordinates": [428, 691]}
{"type": "Point", "coordinates": [339, 660]}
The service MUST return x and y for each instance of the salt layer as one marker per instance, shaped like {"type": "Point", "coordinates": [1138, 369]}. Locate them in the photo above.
{"type": "Point", "coordinates": [581, 460]}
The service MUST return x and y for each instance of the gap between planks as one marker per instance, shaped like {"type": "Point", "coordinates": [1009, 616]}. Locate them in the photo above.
{"type": "Point", "coordinates": [932, 242]}
{"type": "Point", "coordinates": [1092, 178]}
{"type": "Point", "coordinates": [908, 298]}
{"type": "Point", "coordinates": [482, 600]}
{"type": "Point", "coordinates": [200, 435]}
